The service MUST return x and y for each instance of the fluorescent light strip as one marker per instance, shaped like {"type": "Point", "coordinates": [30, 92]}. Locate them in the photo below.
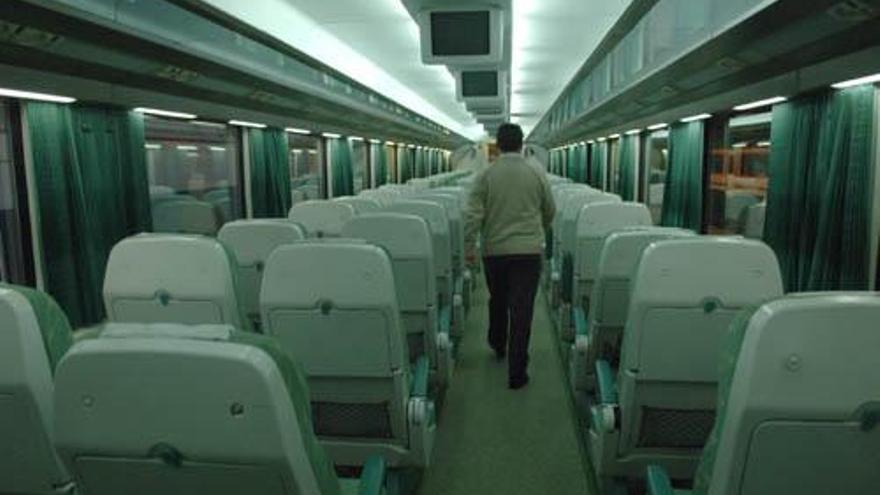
{"type": "Point", "coordinates": [376, 141]}
{"type": "Point", "coordinates": [591, 142]}
{"type": "Point", "coordinates": [614, 136]}
{"type": "Point", "coordinates": [331, 135]}
{"type": "Point", "coordinates": [601, 140]}
{"type": "Point", "coordinates": [30, 95]}
{"type": "Point", "coordinates": [390, 143]}
{"type": "Point", "coordinates": [151, 146]}
{"type": "Point", "coordinates": [244, 123]}
{"type": "Point", "coordinates": [657, 127]}
{"type": "Point", "coordinates": [165, 113]}
{"type": "Point", "coordinates": [739, 145]}
{"type": "Point", "coordinates": [217, 148]}
{"type": "Point", "coordinates": [187, 147]}
{"type": "Point", "coordinates": [763, 144]}
{"type": "Point", "coordinates": [633, 132]}
{"type": "Point", "coordinates": [355, 138]}
{"type": "Point", "coordinates": [294, 130]}
{"type": "Point", "coordinates": [857, 82]}
{"type": "Point", "coordinates": [694, 118]}
{"type": "Point", "coordinates": [760, 103]}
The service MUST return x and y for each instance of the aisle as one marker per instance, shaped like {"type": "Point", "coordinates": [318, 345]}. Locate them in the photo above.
{"type": "Point", "coordinates": [492, 440]}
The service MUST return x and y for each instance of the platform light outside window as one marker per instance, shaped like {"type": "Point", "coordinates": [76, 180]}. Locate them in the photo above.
{"type": "Point", "coordinates": [294, 130]}
{"type": "Point", "coordinates": [657, 127]}
{"type": "Point", "coordinates": [244, 123]}
{"type": "Point", "coordinates": [694, 118]}
{"type": "Point", "coordinates": [331, 135]}
{"type": "Point", "coordinates": [857, 82]}
{"type": "Point", "coordinates": [30, 95]}
{"type": "Point", "coordinates": [739, 145]}
{"type": "Point", "coordinates": [165, 113]}
{"type": "Point", "coordinates": [760, 103]}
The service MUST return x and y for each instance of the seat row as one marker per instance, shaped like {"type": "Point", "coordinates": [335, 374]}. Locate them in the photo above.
{"type": "Point", "coordinates": [671, 329]}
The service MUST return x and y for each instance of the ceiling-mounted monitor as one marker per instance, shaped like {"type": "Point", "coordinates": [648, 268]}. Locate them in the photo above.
{"type": "Point", "coordinates": [462, 36]}
{"type": "Point", "coordinates": [487, 106]}
{"type": "Point", "coordinates": [481, 87]}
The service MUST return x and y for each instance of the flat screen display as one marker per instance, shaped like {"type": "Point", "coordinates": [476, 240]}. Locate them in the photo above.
{"type": "Point", "coordinates": [460, 33]}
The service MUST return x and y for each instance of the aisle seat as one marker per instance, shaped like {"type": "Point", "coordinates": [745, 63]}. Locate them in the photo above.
{"type": "Point", "coordinates": [798, 401]}
{"type": "Point", "coordinates": [598, 331]}
{"type": "Point", "coordinates": [407, 239]}
{"type": "Point", "coordinates": [185, 216]}
{"type": "Point", "coordinates": [460, 272]}
{"type": "Point", "coordinates": [251, 242]}
{"type": "Point", "coordinates": [191, 409]}
{"type": "Point", "coordinates": [321, 218]}
{"type": "Point", "coordinates": [661, 408]}
{"type": "Point", "coordinates": [34, 336]}
{"type": "Point", "coordinates": [333, 307]}
{"type": "Point", "coordinates": [166, 278]}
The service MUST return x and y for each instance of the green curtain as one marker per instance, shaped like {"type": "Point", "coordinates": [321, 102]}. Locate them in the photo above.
{"type": "Point", "coordinates": [683, 192]}
{"type": "Point", "coordinates": [92, 190]}
{"type": "Point", "coordinates": [598, 165]}
{"type": "Point", "coordinates": [571, 158]}
{"type": "Point", "coordinates": [381, 167]}
{"type": "Point", "coordinates": [820, 194]}
{"type": "Point", "coordinates": [341, 167]}
{"type": "Point", "coordinates": [269, 172]}
{"type": "Point", "coordinates": [628, 162]}
{"type": "Point", "coordinates": [406, 165]}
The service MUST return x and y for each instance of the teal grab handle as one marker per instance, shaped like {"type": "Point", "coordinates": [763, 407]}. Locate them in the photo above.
{"type": "Point", "coordinates": [420, 375]}
{"type": "Point", "coordinates": [606, 382]}
{"type": "Point", "coordinates": [581, 324]}
{"type": "Point", "coordinates": [373, 476]}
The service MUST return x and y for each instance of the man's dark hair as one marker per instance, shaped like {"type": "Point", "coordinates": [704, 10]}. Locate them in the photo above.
{"type": "Point", "coordinates": [509, 138]}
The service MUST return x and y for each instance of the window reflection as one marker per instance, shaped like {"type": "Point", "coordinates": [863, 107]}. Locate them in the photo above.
{"type": "Point", "coordinates": [739, 162]}
{"type": "Point", "coordinates": [306, 172]}
{"type": "Point", "coordinates": [194, 174]}
{"type": "Point", "coordinates": [656, 165]}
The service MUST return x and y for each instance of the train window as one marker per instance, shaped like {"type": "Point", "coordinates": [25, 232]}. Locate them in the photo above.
{"type": "Point", "coordinates": [360, 165]}
{"type": "Point", "coordinates": [195, 160]}
{"type": "Point", "coordinates": [306, 170]}
{"type": "Point", "coordinates": [14, 266]}
{"type": "Point", "coordinates": [656, 165]}
{"type": "Point", "coordinates": [738, 163]}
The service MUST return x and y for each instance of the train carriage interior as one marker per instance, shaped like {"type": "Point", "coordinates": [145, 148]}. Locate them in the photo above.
{"type": "Point", "coordinates": [235, 249]}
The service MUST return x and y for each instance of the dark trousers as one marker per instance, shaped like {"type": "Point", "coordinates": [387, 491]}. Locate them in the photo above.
{"type": "Point", "coordinates": [513, 283]}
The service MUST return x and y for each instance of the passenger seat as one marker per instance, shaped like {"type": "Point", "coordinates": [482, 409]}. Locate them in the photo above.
{"type": "Point", "coordinates": [322, 218]}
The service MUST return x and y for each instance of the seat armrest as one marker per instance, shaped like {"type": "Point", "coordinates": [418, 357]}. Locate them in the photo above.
{"type": "Point", "coordinates": [420, 375]}
{"type": "Point", "coordinates": [606, 383]}
{"type": "Point", "coordinates": [581, 324]}
{"type": "Point", "coordinates": [659, 483]}
{"type": "Point", "coordinates": [373, 476]}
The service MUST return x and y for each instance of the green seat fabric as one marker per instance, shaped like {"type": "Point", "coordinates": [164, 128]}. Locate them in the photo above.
{"type": "Point", "coordinates": [298, 391]}
{"type": "Point", "coordinates": [53, 323]}
{"type": "Point", "coordinates": [727, 366]}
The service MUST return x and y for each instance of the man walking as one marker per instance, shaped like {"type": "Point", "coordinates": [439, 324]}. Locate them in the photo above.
{"type": "Point", "coordinates": [511, 206]}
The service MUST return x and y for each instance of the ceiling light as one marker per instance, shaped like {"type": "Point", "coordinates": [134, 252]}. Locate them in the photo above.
{"type": "Point", "coordinates": [165, 113]}
{"type": "Point", "coordinates": [614, 136]}
{"type": "Point", "coordinates": [187, 147]}
{"type": "Point", "coordinates": [694, 118]}
{"type": "Point", "coordinates": [294, 130]}
{"type": "Point", "coordinates": [763, 144]}
{"type": "Point", "coordinates": [591, 142]}
{"type": "Point", "coordinates": [151, 146]}
{"type": "Point", "coordinates": [411, 146]}
{"type": "Point", "coordinates": [739, 145]}
{"type": "Point", "coordinates": [857, 82]}
{"type": "Point", "coordinates": [760, 103]}
{"type": "Point", "coordinates": [217, 148]}
{"type": "Point", "coordinates": [244, 123]}
{"type": "Point", "coordinates": [390, 143]}
{"type": "Point", "coordinates": [601, 140]}
{"type": "Point", "coordinates": [296, 151]}
{"type": "Point", "coordinates": [657, 127]}
{"type": "Point", "coordinates": [30, 95]}
{"type": "Point", "coordinates": [583, 143]}
{"type": "Point", "coordinates": [376, 141]}
{"type": "Point", "coordinates": [331, 135]}
{"type": "Point", "coordinates": [355, 138]}
{"type": "Point", "coordinates": [313, 152]}
{"type": "Point", "coordinates": [633, 132]}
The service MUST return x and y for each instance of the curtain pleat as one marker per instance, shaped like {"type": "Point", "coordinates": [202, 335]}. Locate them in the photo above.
{"type": "Point", "coordinates": [628, 162]}
{"type": "Point", "coordinates": [683, 197]}
{"type": "Point", "coordinates": [270, 173]}
{"type": "Point", "coordinates": [598, 165]}
{"type": "Point", "coordinates": [406, 166]}
{"type": "Point", "coordinates": [92, 191]}
{"type": "Point", "coordinates": [381, 167]}
{"type": "Point", "coordinates": [342, 169]}
{"type": "Point", "coordinates": [819, 199]}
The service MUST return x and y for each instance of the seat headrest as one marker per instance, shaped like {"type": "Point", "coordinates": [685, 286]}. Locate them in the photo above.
{"type": "Point", "coordinates": [432, 212]}
{"type": "Point", "coordinates": [321, 217]}
{"type": "Point", "coordinates": [623, 248]}
{"type": "Point", "coordinates": [402, 235]}
{"type": "Point", "coordinates": [253, 240]}
{"type": "Point", "coordinates": [27, 310]}
{"type": "Point", "coordinates": [599, 219]}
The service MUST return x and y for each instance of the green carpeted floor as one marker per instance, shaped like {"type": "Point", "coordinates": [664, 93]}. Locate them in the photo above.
{"type": "Point", "coordinates": [492, 440]}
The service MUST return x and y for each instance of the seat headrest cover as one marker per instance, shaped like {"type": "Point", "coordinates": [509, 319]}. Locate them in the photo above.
{"type": "Point", "coordinates": [404, 236]}
{"type": "Point", "coordinates": [253, 240]}
{"type": "Point", "coordinates": [53, 325]}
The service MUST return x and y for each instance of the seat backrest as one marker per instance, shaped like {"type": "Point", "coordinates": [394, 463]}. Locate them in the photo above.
{"type": "Point", "coordinates": [594, 222]}
{"type": "Point", "coordinates": [252, 241]}
{"type": "Point", "coordinates": [322, 218]}
{"type": "Point", "coordinates": [164, 278]}
{"type": "Point", "coordinates": [185, 216]}
{"type": "Point", "coordinates": [360, 204]}
{"type": "Point", "coordinates": [344, 327]}
{"type": "Point", "coordinates": [34, 335]}
{"type": "Point", "coordinates": [684, 296]}
{"type": "Point", "coordinates": [800, 372]}
{"type": "Point", "coordinates": [407, 239]}
{"type": "Point", "coordinates": [435, 216]}
{"type": "Point", "coordinates": [618, 258]}
{"type": "Point", "coordinates": [147, 409]}
{"type": "Point", "coordinates": [456, 222]}
{"type": "Point", "coordinates": [571, 215]}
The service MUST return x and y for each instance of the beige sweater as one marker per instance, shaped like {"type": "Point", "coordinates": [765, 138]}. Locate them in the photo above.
{"type": "Point", "coordinates": [511, 205]}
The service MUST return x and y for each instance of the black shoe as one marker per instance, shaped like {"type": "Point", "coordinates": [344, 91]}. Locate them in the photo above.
{"type": "Point", "coordinates": [518, 383]}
